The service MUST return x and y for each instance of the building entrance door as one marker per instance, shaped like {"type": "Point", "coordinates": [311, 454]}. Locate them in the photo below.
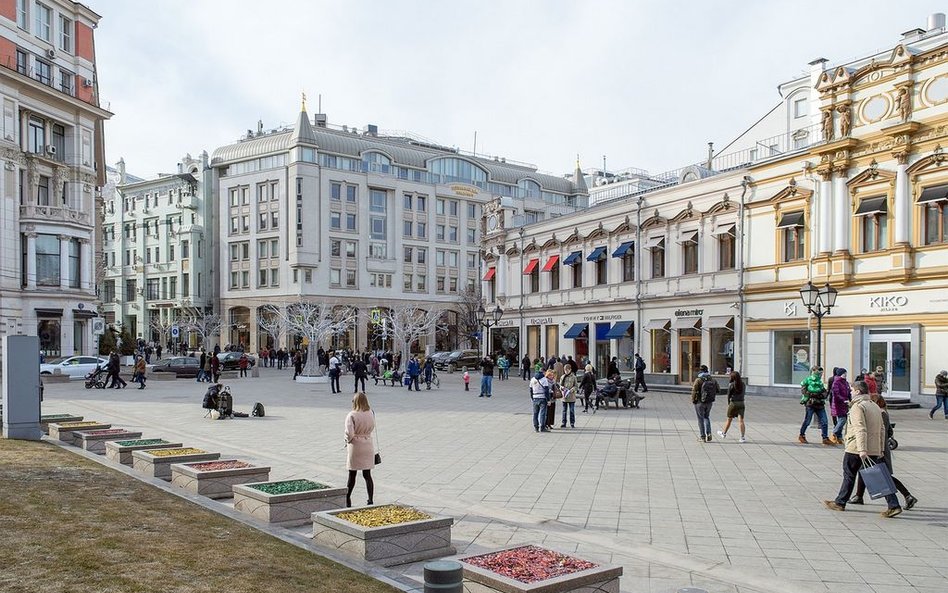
{"type": "Point", "coordinates": [690, 359]}
{"type": "Point", "coordinates": [892, 350]}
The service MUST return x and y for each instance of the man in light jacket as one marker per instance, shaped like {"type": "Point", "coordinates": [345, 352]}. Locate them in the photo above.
{"type": "Point", "coordinates": [540, 395]}
{"type": "Point", "coordinates": [865, 441]}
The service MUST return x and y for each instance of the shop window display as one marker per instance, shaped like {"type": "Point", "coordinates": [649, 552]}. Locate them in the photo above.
{"type": "Point", "coordinates": [722, 350]}
{"type": "Point", "coordinates": [791, 357]}
{"type": "Point", "coordinates": [661, 351]}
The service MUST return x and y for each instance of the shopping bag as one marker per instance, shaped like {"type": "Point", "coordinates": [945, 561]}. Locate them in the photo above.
{"type": "Point", "coordinates": [877, 478]}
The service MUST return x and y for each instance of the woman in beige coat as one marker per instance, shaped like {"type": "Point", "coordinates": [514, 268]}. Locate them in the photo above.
{"type": "Point", "coordinates": [361, 453]}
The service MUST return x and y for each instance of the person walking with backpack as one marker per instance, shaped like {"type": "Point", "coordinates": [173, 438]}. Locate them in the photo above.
{"type": "Point", "coordinates": [360, 451]}
{"type": "Point", "coordinates": [941, 394]}
{"type": "Point", "coordinates": [735, 405]}
{"type": "Point", "coordinates": [640, 374]}
{"type": "Point", "coordinates": [813, 396]}
{"type": "Point", "coordinates": [428, 371]}
{"type": "Point", "coordinates": [839, 404]}
{"type": "Point", "coordinates": [703, 392]}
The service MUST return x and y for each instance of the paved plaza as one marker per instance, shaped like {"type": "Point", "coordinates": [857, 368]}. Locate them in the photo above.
{"type": "Point", "coordinates": [628, 486]}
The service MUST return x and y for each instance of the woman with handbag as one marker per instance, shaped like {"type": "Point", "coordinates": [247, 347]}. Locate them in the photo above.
{"type": "Point", "coordinates": [360, 424]}
{"type": "Point", "coordinates": [910, 501]}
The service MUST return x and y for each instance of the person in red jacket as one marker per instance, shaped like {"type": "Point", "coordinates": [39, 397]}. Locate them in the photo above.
{"type": "Point", "coordinates": [243, 363]}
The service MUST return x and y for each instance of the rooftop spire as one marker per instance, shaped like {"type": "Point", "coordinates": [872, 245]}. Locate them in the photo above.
{"type": "Point", "coordinates": [303, 102]}
{"type": "Point", "coordinates": [579, 180]}
{"type": "Point", "coordinates": [303, 132]}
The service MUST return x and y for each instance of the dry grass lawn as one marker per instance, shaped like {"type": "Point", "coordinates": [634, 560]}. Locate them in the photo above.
{"type": "Point", "coordinates": [70, 525]}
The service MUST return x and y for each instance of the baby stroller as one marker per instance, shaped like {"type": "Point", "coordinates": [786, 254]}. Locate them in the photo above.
{"type": "Point", "coordinates": [96, 378]}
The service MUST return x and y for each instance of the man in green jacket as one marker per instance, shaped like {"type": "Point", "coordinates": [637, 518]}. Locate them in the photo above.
{"type": "Point", "coordinates": [813, 396]}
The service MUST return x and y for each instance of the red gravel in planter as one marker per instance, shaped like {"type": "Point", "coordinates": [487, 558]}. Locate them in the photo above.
{"type": "Point", "coordinates": [106, 431]}
{"type": "Point", "coordinates": [530, 564]}
{"type": "Point", "coordinates": [212, 466]}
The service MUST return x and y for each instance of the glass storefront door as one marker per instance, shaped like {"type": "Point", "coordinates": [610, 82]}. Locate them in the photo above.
{"type": "Point", "coordinates": [892, 350]}
{"type": "Point", "coordinates": [689, 361]}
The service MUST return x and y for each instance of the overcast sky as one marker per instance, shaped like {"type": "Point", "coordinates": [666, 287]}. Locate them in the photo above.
{"type": "Point", "coordinates": [647, 84]}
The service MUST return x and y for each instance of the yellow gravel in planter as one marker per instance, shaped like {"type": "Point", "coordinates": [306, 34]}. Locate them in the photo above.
{"type": "Point", "coordinates": [384, 515]}
{"type": "Point", "coordinates": [77, 424]}
{"type": "Point", "coordinates": [170, 452]}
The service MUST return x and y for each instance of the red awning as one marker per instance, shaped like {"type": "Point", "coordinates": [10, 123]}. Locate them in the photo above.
{"type": "Point", "coordinates": [551, 263]}
{"type": "Point", "coordinates": [531, 267]}
{"type": "Point", "coordinates": [490, 274]}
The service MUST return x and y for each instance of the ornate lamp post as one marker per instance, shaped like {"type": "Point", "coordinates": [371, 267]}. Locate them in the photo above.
{"type": "Point", "coordinates": [818, 302]}
{"type": "Point", "coordinates": [487, 322]}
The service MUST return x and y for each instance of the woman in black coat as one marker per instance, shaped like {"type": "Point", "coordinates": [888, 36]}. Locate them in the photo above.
{"type": "Point", "coordinates": [588, 385]}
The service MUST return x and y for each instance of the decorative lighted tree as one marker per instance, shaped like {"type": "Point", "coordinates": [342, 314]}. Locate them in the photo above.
{"type": "Point", "coordinates": [271, 320]}
{"type": "Point", "coordinates": [162, 327]}
{"type": "Point", "coordinates": [204, 324]}
{"type": "Point", "coordinates": [405, 323]}
{"type": "Point", "coordinates": [316, 322]}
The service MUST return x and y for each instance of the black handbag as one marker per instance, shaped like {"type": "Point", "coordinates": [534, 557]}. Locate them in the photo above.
{"type": "Point", "coordinates": [378, 452]}
{"type": "Point", "coordinates": [378, 458]}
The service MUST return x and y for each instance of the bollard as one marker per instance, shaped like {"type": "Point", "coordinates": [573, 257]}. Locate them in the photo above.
{"type": "Point", "coordinates": [444, 576]}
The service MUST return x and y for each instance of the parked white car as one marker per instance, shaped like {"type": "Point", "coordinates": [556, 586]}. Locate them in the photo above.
{"type": "Point", "coordinates": [76, 367]}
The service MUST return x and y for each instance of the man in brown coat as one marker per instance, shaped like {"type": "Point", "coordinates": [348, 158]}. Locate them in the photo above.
{"type": "Point", "coordinates": [864, 440]}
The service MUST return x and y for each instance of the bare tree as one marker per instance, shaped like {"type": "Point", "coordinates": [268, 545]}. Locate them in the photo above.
{"type": "Point", "coordinates": [162, 327]}
{"type": "Point", "coordinates": [469, 301]}
{"type": "Point", "coordinates": [405, 323]}
{"type": "Point", "coordinates": [204, 324]}
{"type": "Point", "coordinates": [272, 322]}
{"type": "Point", "coordinates": [315, 321]}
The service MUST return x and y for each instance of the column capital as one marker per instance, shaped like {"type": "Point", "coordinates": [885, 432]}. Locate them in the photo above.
{"type": "Point", "coordinates": [825, 173]}
{"type": "Point", "coordinates": [63, 237]}
{"type": "Point", "coordinates": [31, 234]}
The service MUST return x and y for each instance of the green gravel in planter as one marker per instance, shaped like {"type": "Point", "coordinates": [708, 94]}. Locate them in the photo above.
{"type": "Point", "coordinates": [54, 416]}
{"type": "Point", "coordinates": [289, 486]}
{"type": "Point", "coordinates": [141, 442]}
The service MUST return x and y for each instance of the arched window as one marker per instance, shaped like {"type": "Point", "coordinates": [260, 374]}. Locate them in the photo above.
{"type": "Point", "coordinates": [531, 188]}
{"type": "Point", "coordinates": [453, 169]}
{"type": "Point", "coordinates": [376, 162]}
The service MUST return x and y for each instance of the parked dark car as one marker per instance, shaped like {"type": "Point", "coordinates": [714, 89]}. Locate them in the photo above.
{"type": "Point", "coordinates": [229, 360]}
{"type": "Point", "coordinates": [181, 366]}
{"type": "Point", "coordinates": [459, 359]}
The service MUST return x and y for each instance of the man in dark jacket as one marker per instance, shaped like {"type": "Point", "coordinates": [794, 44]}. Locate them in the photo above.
{"type": "Point", "coordinates": [487, 376]}
{"type": "Point", "coordinates": [360, 371]}
{"type": "Point", "coordinates": [640, 373]}
{"type": "Point", "coordinates": [525, 367]}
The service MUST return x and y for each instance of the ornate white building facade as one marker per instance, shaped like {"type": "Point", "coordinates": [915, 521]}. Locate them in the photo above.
{"type": "Point", "coordinates": [51, 145]}
{"type": "Point", "coordinates": [703, 265]}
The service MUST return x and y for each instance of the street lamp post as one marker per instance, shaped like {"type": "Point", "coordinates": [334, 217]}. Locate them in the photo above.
{"type": "Point", "coordinates": [487, 322]}
{"type": "Point", "coordinates": [818, 302]}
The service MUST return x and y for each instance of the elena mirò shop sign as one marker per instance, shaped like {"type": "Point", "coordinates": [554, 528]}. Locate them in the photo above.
{"type": "Point", "coordinates": [689, 312]}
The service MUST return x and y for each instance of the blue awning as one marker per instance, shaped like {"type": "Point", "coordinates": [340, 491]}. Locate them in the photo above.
{"type": "Point", "coordinates": [602, 329]}
{"type": "Point", "coordinates": [576, 331]}
{"type": "Point", "coordinates": [574, 258]}
{"type": "Point", "coordinates": [597, 254]}
{"type": "Point", "coordinates": [619, 330]}
{"type": "Point", "coordinates": [623, 249]}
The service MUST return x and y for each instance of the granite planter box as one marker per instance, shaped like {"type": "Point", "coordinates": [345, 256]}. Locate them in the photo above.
{"type": "Point", "coordinates": [156, 463]}
{"type": "Point", "coordinates": [522, 569]}
{"type": "Point", "coordinates": [49, 418]}
{"type": "Point", "coordinates": [121, 451]}
{"type": "Point", "coordinates": [94, 440]}
{"type": "Point", "coordinates": [288, 502]}
{"type": "Point", "coordinates": [391, 544]}
{"type": "Point", "coordinates": [62, 431]}
{"type": "Point", "coordinates": [216, 479]}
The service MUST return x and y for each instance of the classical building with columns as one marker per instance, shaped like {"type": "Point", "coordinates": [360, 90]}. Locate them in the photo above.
{"type": "Point", "coordinates": [360, 218]}
{"type": "Point", "coordinates": [158, 250]}
{"type": "Point", "coordinates": [51, 145]}
{"type": "Point", "coordinates": [843, 182]}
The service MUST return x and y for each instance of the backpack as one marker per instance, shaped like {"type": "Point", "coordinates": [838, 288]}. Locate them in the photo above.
{"type": "Point", "coordinates": [258, 411]}
{"type": "Point", "coordinates": [709, 389]}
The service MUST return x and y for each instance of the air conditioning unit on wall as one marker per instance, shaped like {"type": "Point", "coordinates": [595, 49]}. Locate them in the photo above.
{"type": "Point", "coordinates": [50, 54]}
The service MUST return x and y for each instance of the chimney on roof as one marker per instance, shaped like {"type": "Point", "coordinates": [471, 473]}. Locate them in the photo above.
{"type": "Point", "coordinates": [259, 127]}
{"type": "Point", "coordinates": [320, 119]}
{"type": "Point", "coordinates": [912, 34]}
{"type": "Point", "coordinates": [372, 130]}
{"type": "Point", "coordinates": [936, 21]}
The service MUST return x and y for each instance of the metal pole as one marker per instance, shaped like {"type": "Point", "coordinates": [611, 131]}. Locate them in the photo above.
{"type": "Point", "coordinates": [819, 338]}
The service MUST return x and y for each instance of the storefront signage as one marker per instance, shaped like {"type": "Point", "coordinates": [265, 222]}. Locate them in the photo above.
{"type": "Point", "coordinates": [689, 312]}
{"type": "Point", "coordinates": [790, 309]}
{"type": "Point", "coordinates": [465, 191]}
{"type": "Point", "coordinates": [504, 323]}
{"type": "Point", "coordinates": [540, 320]}
{"type": "Point", "coordinates": [602, 317]}
{"type": "Point", "coordinates": [887, 304]}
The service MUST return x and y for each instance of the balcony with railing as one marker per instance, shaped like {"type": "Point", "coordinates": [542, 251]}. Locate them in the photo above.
{"type": "Point", "coordinates": [44, 213]}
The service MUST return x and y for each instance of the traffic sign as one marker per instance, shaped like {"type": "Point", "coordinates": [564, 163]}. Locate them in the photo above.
{"type": "Point", "coordinates": [175, 332]}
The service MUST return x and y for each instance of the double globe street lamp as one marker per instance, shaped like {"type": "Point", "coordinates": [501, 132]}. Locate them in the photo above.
{"type": "Point", "coordinates": [819, 302]}
{"type": "Point", "coordinates": [487, 322]}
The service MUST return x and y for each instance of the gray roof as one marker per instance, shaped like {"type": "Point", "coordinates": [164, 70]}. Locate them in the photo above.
{"type": "Point", "coordinates": [402, 151]}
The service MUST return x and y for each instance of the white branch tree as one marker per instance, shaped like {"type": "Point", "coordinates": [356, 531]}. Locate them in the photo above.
{"type": "Point", "coordinates": [205, 325]}
{"type": "Point", "coordinates": [271, 320]}
{"type": "Point", "coordinates": [405, 323]}
{"type": "Point", "coordinates": [315, 321]}
{"type": "Point", "coordinates": [163, 327]}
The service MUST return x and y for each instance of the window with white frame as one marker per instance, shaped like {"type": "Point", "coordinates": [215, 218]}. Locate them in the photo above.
{"type": "Point", "coordinates": [65, 34]}
{"type": "Point", "coordinates": [43, 22]}
{"type": "Point", "coordinates": [800, 107]}
{"type": "Point", "coordinates": [689, 252]}
{"type": "Point", "coordinates": [23, 14]}
{"type": "Point", "coordinates": [657, 256]}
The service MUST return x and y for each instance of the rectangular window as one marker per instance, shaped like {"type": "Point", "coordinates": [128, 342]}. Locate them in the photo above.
{"type": "Point", "coordinates": [471, 261]}
{"type": "Point", "coordinates": [108, 291]}
{"type": "Point", "coordinates": [800, 107]}
{"type": "Point", "coordinates": [873, 227]}
{"type": "Point", "coordinates": [406, 204]}
{"type": "Point", "coordinates": [936, 223]}
{"type": "Point", "coordinates": [409, 256]}
{"type": "Point", "coordinates": [689, 250]}
{"type": "Point", "coordinates": [661, 351]}
{"type": "Point", "coordinates": [65, 34]}
{"type": "Point", "coordinates": [472, 235]}
{"type": "Point", "coordinates": [151, 289]}
{"type": "Point", "coordinates": [628, 265]}
{"type": "Point", "coordinates": [453, 234]}
{"type": "Point", "coordinates": [335, 277]}
{"type": "Point", "coordinates": [422, 255]}
{"type": "Point", "coordinates": [452, 284]}
{"type": "Point", "coordinates": [185, 254]}
{"type": "Point", "coordinates": [439, 257]}
{"type": "Point", "coordinates": [471, 211]}
{"type": "Point", "coordinates": [234, 225]}
{"type": "Point", "coordinates": [378, 250]}
{"type": "Point", "coordinates": [335, 220]}
{"type": "Point", "coordinates": [406, 282]}
{"type": "Point", "coordinates": [421, 284]}
{"type": "Point", "coordinates": [22, 62]}
{"type": "Point", "coordinates": [377, 228]}
{"type": "Point", "coordinates": [422, 229]}
{"type": "Point", "coordinates": [261, 192]}
{"type": "Point", "coordinates": [245, 250]}
{"type": "Point", "coordinates": [245, 279]}
{"type": "Point", "coordinates": [601, 271]}
{"type": "Point", "coordinates": [439, 232]}
{"type": "Point", "coordinates": [378, 199]}
{"type": "Point", "coordinates": [262, 277]}
{"type": "Point", "coordinates": [535, 279]}
{"type": "Point", "coordinates": [185, 285]}
{"type": "Point", "coordinates": [261, 250]}
{"type": "Point", "coordinates": [406, 228]}
{"type": "Point", "coordinates": [274, 277]}
{"type": "Point", "coordinates": [439, 206]}
{"type": "Point", "coordinates": [42, 25]}
{"type": "Point", "coordinates": [42, 191]}
{"type": "Point", "coordinates": [173, 287]}
{"type": "Point", "coordinates": [335, 191]}
{"type": "Point", "coordinates": [350, 248]}
{"type": "Point", "coordinates": [726, 249]}
{"type": "Point", "coordinates": [350, 222]}
{"type": "Point", "coordinates": [22, 14]}
{"type": "Point", "coordinates": [453, 259]}
{"type": "Point", "coordinates": [75, 263]}
{"type": "Point", "coordinates": [421, 202]}
{"type": "Point", "coordinates": [439, 284]}
{"type": "Point", "coordinates": [262, 223]}
{"type": "Point", "coordinates": [577, 274]}
{"type": "Point", "coordinates": [658, 259]}
{"type": "Point", "coordinates": [36, 135]}
{"type": "Point", "coordinates": [793, 237]}
{"type": "Point", "coordinates": [245, 223]}
{"type": "Point", "coordinates": [66, 81]}
{"type": "Point", "coordinates": [453, 207]}
{"type": "Point", "coordinates": [245, 195]}
{"type": "Point", "coordinates": [274, 220]}
{"type": "Point", "coordinates": [274, 191]}
{"type": "Point", "coordinates": [350, 193]}
{"type": "Point", "coordinates": [350, 278]}
{"type": "Point", "coordinates": [335, 248]}
{"type": "Point", "coordinates": [791, 357]}
{"type": "Point", "coordinates": [234, 198]}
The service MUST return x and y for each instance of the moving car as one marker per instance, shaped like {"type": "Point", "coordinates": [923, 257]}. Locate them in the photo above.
{"type": "Point", "coordinates": [75, 367]}
{"type": "Point", "coordinates": [229, 360]}
{"type": "Point", "coordinates": [181, 366]}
